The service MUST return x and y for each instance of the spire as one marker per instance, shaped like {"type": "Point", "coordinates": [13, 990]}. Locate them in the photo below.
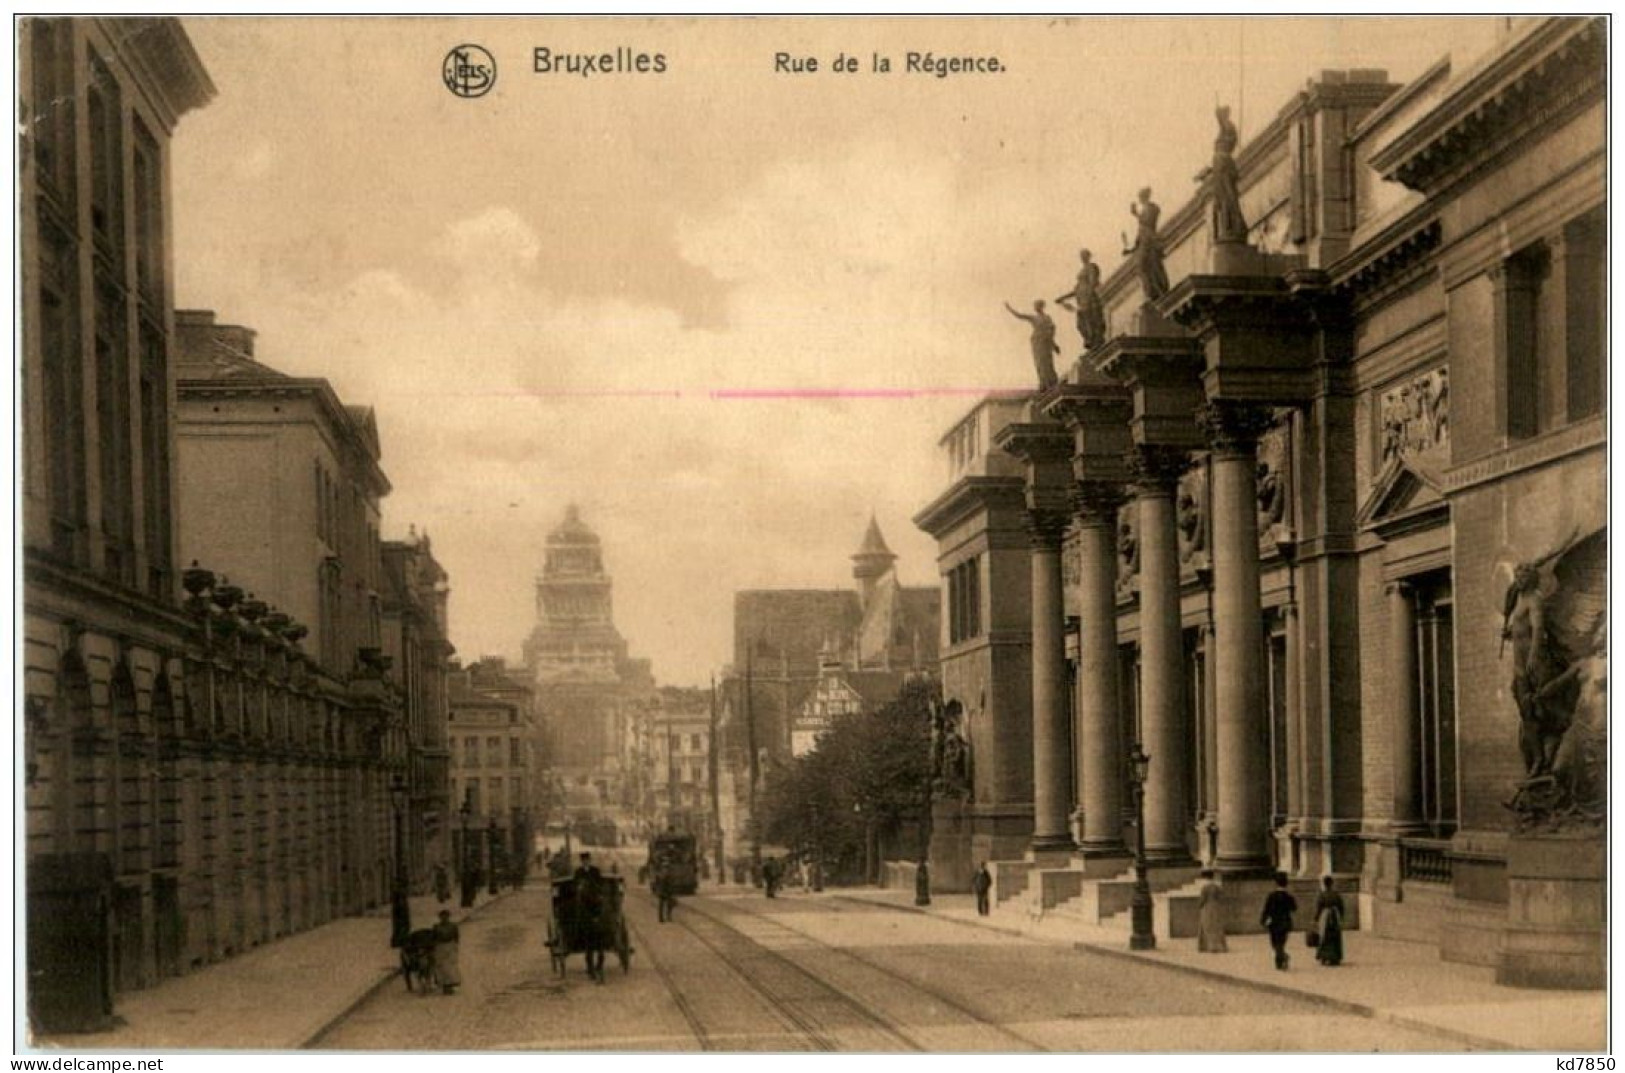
{"type": "Point", "coordinates": [874, 545]}
{"type": "Point", "coordinates": [873, 557]}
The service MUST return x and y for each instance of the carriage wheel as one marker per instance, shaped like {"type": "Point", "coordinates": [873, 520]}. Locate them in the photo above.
{"type": "Point", "coordinates": [623, 947]}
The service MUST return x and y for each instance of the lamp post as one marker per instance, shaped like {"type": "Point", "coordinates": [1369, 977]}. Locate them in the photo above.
{"type": "Point", "coordinates": [400, 910]}
{"type": "Point", "coordinates": [818, 851]}
{"type": "Point", "coordinates": [493, 842]}
{"type": "Point", "coordinates": [1143, 936]}
{"type": "Point", "coordinates": [465, 861]}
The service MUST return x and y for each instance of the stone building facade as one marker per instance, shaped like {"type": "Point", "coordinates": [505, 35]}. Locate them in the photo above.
{"type": "Point", "coordinates": [416, 643]}
{"type": "Point", "coordinates": [197, 781]}
{"type": "Point", "coordinates": [114, 898]}
{"type": "Point", "coordinates": [1274, 521]}
{"type": "Point", "coordinates": [280, 497]}
{"type": "Point", "coordinates": [496, 763]}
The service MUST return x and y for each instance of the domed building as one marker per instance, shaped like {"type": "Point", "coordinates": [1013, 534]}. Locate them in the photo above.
{"type": "Point", "coordinates": [585, 681]}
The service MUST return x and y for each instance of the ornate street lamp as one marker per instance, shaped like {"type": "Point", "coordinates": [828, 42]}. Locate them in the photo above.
{"type": "Point", "coordinates": [1143, 936]}
{"type": "Point", "coordinates": [493, 842]}
{"type": "Point", "coordinates": [400, 908]}
{"type": "Point", "coordinates": [466, 878]}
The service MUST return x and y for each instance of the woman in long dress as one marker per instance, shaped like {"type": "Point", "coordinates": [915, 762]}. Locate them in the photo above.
{"type": "Point", "coordinates": [447, 973]}
{"type": "Point", "coordinates": [1210, 919]}
{"type": "Point", "coordinates": [1329, 922]}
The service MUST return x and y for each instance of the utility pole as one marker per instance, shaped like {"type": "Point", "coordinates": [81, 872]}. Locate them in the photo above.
{"type": "Point", "coordinates": [750, 741]}
{"type": "Point", "coordinates": [712, 775]}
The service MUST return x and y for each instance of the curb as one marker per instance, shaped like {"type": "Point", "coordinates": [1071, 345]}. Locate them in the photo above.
{"type": "Point", "coordinates": [389, 975]}
{"type": "Point", "coordinates": [1358, 1009]}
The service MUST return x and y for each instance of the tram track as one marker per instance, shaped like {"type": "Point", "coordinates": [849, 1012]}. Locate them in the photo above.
{"type": "Point", "coordinates": [691, 1017]}
{"type": "Point", "coordinates": [874, 965]}
{"type": "Point", "coordinates": [796, 1010]}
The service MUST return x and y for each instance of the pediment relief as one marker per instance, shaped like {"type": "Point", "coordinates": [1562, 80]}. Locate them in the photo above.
{"type": "Point", "coordinates": [1405, 491]}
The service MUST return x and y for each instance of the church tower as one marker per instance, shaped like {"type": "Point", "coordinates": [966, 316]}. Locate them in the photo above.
{"type": "Point", "coordinates": [872, 561]}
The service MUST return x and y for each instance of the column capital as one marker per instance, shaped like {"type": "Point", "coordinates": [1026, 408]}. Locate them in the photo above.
{"type": "Point", "coordinates": [1234, 427]}
{"type": "Point", "coordinates": [1156, 469]}
{"type": "Point", "coordinates": [1400, 587]}
{"type": "Point", "coordinates": [1046, 527]}
{"type": "Point", "coordinates": [1097, 502]}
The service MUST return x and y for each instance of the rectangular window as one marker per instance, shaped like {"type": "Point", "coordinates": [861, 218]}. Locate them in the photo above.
{"type": "Point", "coordinates": [513, 753]}
{"type": "Point", "coordinates": [156, 519]}
{"type": "Point", "coordinates": [493, 752]}
{"type": "Point", "coordinates": [964, 601]}
{"type": "Point", "coordinates": [1585, 313]}
{"type": "Point", "coordinates": [1436, 681]}
{"type": "Point", "coordinates": [471, 752]}
{"type": "Point", "coordinates": [1517, 282]}
{"type": "Point", "coordinates": [52, 106]}
{"type": "Point", "coordinates": [113, 426]}
{"type": "Point", "coordinates": [106, 159]}
{"type": "Point", "coordinates": [149, 220]}
{"type": "Point", "coordinates": [62, 386]}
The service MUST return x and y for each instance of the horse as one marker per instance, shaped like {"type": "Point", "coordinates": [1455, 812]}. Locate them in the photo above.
{"type": "Point", "coordinates": [417, 960]}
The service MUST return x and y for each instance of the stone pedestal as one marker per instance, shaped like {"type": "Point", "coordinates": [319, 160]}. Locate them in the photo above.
{"type": "Point", "coordinates": [950, 852]}
{"type": "Point", "coordinates": [1557, 897]}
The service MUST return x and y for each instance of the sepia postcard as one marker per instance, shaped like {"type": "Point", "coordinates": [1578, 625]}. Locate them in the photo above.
{"type": "Point", "coordinates": [880, 535]}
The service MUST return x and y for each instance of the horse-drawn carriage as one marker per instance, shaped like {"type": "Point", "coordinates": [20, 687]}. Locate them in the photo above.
{"type": "Point", "coordinates": [587, 919]}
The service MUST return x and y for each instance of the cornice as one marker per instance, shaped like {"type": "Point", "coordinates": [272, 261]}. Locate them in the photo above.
{"type": "Point", "coordinates": [965, 496]}
{"type": "Point", "coordinates": [1526, 90]}
{"type": "Point", "coordinates": [1390, 261]}
{"type": "Point", "coordinates": [165, 66]}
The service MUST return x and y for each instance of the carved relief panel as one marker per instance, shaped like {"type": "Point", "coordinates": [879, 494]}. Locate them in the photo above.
{"type": "Point", "coordinates": [1413, 420]}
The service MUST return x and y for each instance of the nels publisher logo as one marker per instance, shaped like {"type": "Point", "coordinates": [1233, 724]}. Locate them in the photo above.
{"type": "Point", "coordinates": [469, 71]}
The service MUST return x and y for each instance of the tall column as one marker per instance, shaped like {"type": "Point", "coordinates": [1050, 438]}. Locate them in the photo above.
{"type": "Point", "coordinates": [1238, 620]}
{"type": "Point", "coordinates": [1051, 721]}
{"type": "Point", "coordinates": [1100, 749]}
{"type": "Point", "coordinates": [1402, 703]}
{"type": "Point", "coordinates": [1162, 653]}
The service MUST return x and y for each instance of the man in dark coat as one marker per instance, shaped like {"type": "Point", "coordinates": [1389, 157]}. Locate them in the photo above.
{"type": "Point", "coordinates": [1277, 919]}
{"type": "Point", "coordinates": [982, 883]}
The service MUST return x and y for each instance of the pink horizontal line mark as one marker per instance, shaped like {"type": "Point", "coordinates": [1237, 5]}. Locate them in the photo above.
{"type": "Point", "coordinates": [850, 393]}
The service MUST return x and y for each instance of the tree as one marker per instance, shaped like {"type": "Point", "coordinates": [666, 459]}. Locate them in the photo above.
{"type": "Point", "coordinates": [870, 772]}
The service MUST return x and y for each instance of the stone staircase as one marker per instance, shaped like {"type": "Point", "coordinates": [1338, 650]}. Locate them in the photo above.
{"type": "Point", "coordinates": [1176, 909]}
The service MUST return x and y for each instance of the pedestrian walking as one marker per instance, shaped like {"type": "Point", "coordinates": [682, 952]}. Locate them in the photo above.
{"type": "Point", "coordinates": [665, 890]}
{"type": "Point", "coordinates": [1329, 924]}
{"type": "Point", "coordinates": [442, 884]}
{"type": "Point", "coordinates": [922, 884]}
{"type": "Point", "coordinates": [1210, 917]}
{"type": "Point", "coordinates": [770, 876]}
{"type": "Point", "coordinates": [1277, 920]}
{"type": "Point", "coordinates": [447, 941]}
{"type": "Point", "coordinates": [982, 884]}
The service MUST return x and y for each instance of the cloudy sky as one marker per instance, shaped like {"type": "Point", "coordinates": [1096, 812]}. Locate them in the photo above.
{"type": "Point", "coordinates": [609, 289]}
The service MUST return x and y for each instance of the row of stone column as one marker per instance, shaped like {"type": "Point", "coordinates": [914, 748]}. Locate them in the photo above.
{"type": "Point", "coordinates": [1237, 656]}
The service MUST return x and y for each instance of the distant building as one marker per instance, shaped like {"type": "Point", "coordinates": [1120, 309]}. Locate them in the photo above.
{"type": "Point", "coordinates": [586, 684]}
{"type": "Point", "coordinates": [674, 753]}
{"type": "Point", "coordinates": [416, 641]}
{"type": "Point", "coordinates": [782, 636]}
{"type": "Point", "coordinates": [496, 765]}
{"type": "Point", "coordinates": [801, 656]}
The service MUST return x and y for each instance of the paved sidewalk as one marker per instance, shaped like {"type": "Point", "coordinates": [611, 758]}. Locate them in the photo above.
{"type": "Point", "coordinates": [276, 997]}
{"type": "Point", "coordinates": [1399, 982]}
